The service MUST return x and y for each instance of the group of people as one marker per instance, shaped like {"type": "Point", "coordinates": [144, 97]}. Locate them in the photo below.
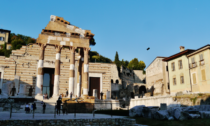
{"type": "Point", "coordinates": [29, 107]}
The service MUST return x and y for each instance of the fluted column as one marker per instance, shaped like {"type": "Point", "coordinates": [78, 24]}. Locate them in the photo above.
{"type": "Point", "coordinates": [40, 73]}
{"type": "Point", "coordinates": [79, 79]}
{"type": "Point", "coordinates": [57, 72]}
{"type": "Point", "coordinates": [85, 73]}
{"type": "Point", "coordinates": [71, 70]}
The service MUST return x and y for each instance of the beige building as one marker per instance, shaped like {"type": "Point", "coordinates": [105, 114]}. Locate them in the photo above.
{"type": "Point", "coordinates": [200, 69]}
{"type": "Point", "coordinates": [4, 38]}
{"type": "Point", "coordinates": [178, 68]}
{"type": "Point", "coordinates": [157, 82]}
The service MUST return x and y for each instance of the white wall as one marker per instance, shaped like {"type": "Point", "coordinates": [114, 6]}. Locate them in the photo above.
{"type": "Point", "coordinates": [152, 101]}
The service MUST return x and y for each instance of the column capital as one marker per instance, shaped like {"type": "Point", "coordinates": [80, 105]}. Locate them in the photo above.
{"type": "Point", "coordinates": [86, 50]}
{"type": "Point", "coordinates": [43, 46]}
{"type": "Point", "coordinates": [72, 49]}
{"type": "Point", "coordinates": [58, 48]}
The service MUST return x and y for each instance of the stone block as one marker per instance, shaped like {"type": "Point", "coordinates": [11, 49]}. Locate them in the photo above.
{"type": "Point", "coordinates": [205, 114]}
{"type": "Point", "coordinates": [163, 106]}
{"type": "Point", "coordinates": [161, 115]}
{"type": "Point", "coordinates": [136, 111]}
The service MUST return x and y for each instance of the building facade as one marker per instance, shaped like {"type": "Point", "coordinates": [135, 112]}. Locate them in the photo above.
{"type": "Point", "coordinates": [4, 38]}
{"type": "Point", "coordinates": [157, 77]}
{"type": "Point", "coordinates": [200, 69]}
{"type": "Point", "coordinates": [178, 68]}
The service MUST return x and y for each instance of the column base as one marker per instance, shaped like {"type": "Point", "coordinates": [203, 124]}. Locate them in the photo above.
{"type": "Point", "coordinates": [39, 97]}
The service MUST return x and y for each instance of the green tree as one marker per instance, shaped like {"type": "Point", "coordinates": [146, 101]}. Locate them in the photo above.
{"type": "Point", "coordinates": [142, 65]}
{"type": "Point", "coordinates": [134, 64]}
{"type": "Point", "coordinates": [116, 60]}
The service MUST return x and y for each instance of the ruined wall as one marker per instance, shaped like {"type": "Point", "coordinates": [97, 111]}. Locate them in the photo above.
{"type": "Point", "coordinates": [27, 59]}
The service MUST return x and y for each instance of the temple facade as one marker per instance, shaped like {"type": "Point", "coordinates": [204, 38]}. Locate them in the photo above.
{"type": "Point", "coordinates": [60, 54]}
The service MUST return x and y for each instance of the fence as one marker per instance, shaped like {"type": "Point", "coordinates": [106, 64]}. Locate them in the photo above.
{"type": "Point", "coordinates": [66, 108]}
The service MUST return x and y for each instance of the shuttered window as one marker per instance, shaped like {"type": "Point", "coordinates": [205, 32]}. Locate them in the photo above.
{"type": "Point", "coordinates": [174, 81]}
{"type": "Point", "coordinates": [180, 64]}
{"type": "Point", "coordinates": [193, 60]}
{"type": "Point", "coordinates": [194, 78]}
{"type": "Point", "coordinates": [203, 74]}
{"type": "Point", "coordinates": [173, 66]}
{"type": "Point", "coordinates": [182, 79]}
{"type": "Point", "coordinates": [201, 56]}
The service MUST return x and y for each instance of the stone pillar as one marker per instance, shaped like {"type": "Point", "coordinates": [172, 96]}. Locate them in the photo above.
{"type": "Point", "coordinates": [79, 78]}
{"type": "Point", "coordinates": [85, 74]}
{"type": "Point", "coordinates": [57, 72]}
{"type": "Point", "coordinates": [40, 73]}
{"type": "Point", "coordinates": [71, 72]}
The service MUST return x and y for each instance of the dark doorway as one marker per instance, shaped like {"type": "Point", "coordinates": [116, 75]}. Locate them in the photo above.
{"type": "Point", "coordinates": [94, 84]}
{"type": "Point", "coordinates": [141, 89]}
{"type": "Point", "coordinates": [132, 95]}
{"type": "Point", "coordinates": [48, 81]}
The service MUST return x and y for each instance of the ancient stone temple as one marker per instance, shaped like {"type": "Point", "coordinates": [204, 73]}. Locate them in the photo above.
{"type": "Point", "coordinates": [57, 62]}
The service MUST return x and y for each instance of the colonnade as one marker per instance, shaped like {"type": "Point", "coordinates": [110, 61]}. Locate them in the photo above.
{"type": "Point", "coordinates": [84, 73]}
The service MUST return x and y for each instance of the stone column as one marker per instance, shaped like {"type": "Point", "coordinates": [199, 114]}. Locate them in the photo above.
{"type": "Point", "coordinates": [40, 73]}
{"type": "Point", "coordinates": [79, 78]}
{"type": "Point", "coordinates": [85, 74]}
{"type": "Point", "coordinates": [71, 72]}
{"type": "Point", "coordinates": [57, 72]}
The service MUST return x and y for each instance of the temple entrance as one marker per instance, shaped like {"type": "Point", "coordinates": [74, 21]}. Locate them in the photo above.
{"type": "Point", "coordinates": [94, 84]}
{"type": "Point", "coordinates": [48, 81]}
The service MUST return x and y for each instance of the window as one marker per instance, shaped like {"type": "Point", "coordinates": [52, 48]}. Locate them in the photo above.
{"type": "Point", "coordinates": [180, 64]}
{"type": "Point", "coordinates": [117, 81]}
{"type": "Point", "coordinates": [1, 38]}
{"type": "Point", "coordinates": [174, 81]}
{"type": "Point", "coordinates": [166, 68]}
{"type": "Point", "coordinates": [111, 81]}
{"type": "Point", "coordinates": [193, 60]}
{"type": "Point", "coordinates": [173, 66]}
{"type": "Point", "coordinates": [182, 79]}
{"type": "Point", "coordinates": [201, 56]}
{"type": "Point", "coordinates": [194, 78]}
{"type": "Point", "coordinates": [203, 74]}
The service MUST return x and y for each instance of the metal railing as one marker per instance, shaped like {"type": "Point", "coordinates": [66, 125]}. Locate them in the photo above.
{"type": "Point", "coordinates": [72, 108]}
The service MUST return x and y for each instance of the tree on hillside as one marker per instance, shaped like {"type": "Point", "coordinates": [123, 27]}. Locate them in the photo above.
{"type": "Point", "coordinates": [134, 64]}
{"type": "Point", "coordinates": [95, 57]}
{"type": "Point", "coordinates": [124, 63]}
{"type": "Point", "coordinates": [116, 60]}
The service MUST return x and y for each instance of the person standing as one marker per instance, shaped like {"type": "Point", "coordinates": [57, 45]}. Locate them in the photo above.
{"type": "Point", "coordinates": [44, 106]}
{"type": "Point", "coordinates": [58, 106]}
{"type": "Point", "coordinates": [71, 96]}
{"type": "Point", "coordinates": [67, 93]}
{"type": "Point", "coordinates": [32, 107]}
{"type": "Point", "coordinates": [27, 108]}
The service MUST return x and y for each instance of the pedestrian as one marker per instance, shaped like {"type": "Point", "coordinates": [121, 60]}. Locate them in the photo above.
{"type": "Point", "coordinates": [26, 108]}
{"type": "Point", "coordinates": [60, 96]}
{"type": "Point", "coordinates": [44, 106]}
{"type": "Point", "coordinates": [67, 93]}
{"type": "Point", "coordinates": [32, 107]}
{"type": "Point", "coordinates": [43, 96]}
{"type": "Point", "coordinates": [71, 96]}
{"type": "Point", "coordinates": [58, 106]}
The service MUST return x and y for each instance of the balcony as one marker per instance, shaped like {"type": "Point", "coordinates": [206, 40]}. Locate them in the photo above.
{"type": "Point", "coordinates": [193, 65]}
{"type": "Point", "coordinates": [202, 63]}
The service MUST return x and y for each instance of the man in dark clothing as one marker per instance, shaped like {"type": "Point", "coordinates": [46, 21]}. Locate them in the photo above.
{"type": "Point", "coordinates": [67, 93]}
{"type": "Point", "coordinates": [44, 106]}
{"type": "Point", "coordinates": [58, 106]}
{"type": "Point", "coordinates": [34, 106]}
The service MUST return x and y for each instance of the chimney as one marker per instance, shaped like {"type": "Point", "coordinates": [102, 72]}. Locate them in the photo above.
{"type": "Point", "coordinates": [181, 48]}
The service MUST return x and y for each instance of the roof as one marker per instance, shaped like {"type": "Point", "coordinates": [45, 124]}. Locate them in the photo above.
{"type": "Point", "coordinates": [185, 52]}
{"type": "Point", "coordinates": [154, 60]}
{"type": "Point", "coordinates": [199, 50]}
{"type": "Point", "coordinates": [5, 30]}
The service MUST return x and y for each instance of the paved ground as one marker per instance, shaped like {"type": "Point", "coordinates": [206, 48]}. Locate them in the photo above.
{"type": "Point", "coordinates": [37, 116]}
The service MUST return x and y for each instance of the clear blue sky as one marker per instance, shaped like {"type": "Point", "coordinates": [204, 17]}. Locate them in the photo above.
{"type": "Point", "coordinates": [128, 27]}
